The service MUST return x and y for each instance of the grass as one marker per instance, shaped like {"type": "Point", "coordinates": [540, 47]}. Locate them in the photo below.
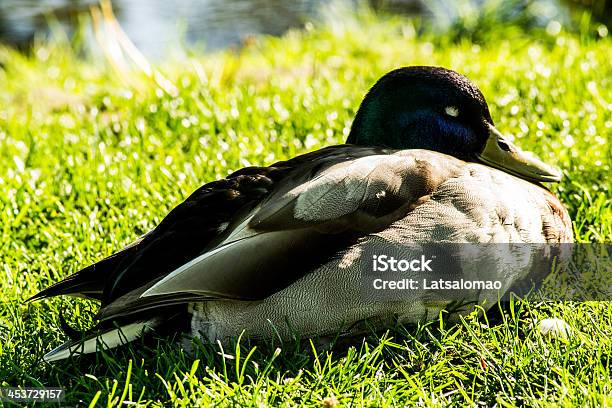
{"type": "Point", "coordinates": [91, 158]}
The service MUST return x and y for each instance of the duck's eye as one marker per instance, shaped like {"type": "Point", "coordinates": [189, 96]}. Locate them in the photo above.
{"type": "Point", "coordinates": [452, 111]}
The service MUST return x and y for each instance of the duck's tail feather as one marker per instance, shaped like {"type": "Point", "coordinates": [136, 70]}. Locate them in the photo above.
{"type": "Point", "coordinates": [84, 283]}
{"type": "Point", "coordinates": [89, 282]}
{"type": "Point", "coordinates": [102, 339]}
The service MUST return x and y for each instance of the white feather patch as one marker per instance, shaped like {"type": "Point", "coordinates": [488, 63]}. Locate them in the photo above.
{"type": "Point", "coordinates": [555, 328]}
{"type": "Point", "coordinates": [108, 340]}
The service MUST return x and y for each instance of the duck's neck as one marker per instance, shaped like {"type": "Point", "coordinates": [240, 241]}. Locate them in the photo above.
{"type": "Point", "coordinates": [368, 129]}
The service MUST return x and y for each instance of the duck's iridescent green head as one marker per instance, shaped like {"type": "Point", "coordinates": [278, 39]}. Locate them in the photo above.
{"type": "Point", "coordinates": [438, 109]}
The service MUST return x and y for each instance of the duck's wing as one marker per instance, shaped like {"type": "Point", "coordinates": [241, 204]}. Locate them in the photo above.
{"type": "Point", "coordinates": [296, 228]}
{"type": "Point", "coordinates": [190, 229]}
{"type": "Point", "coordinates": [183, 234]}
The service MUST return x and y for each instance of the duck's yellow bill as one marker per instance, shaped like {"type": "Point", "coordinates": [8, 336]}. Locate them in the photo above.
{"type": "Point", "coordinates": [500, 153]}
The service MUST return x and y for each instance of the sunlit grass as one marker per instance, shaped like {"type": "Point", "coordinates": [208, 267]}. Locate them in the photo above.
{"type": "Point", "coordinates": [90, 160]}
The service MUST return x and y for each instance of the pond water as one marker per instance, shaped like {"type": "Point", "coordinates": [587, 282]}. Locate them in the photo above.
{"type": "Point", "coordinates": [155, 26]}
{"type": "Point", "coordinates": [159, 26]}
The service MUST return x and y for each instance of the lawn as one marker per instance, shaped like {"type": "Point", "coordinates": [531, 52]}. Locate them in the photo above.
{"type": "Point", "coordinates": [92, 156]}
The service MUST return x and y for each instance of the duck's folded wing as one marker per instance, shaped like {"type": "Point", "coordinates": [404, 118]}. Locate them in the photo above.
{"type": "Point", "coordinates": [249, 269]}
{"type": "Point", "coordinates": [293, 231]}
{"type": "Point", "coordinates": [189, 230]}
{"type": "Point", "coordinates": [182, 235]}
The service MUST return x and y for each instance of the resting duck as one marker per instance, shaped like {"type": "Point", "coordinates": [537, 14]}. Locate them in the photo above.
{"type": "Point", "coordinates": [274, 251]}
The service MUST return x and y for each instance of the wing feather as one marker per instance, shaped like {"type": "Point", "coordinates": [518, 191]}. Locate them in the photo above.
{"type": "Point", "coordinates": [345, 198]}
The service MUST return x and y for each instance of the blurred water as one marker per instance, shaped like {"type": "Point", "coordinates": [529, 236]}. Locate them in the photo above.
{"type": "Point", "coordinates": [156, 26]}
{"type": "Point", "coordinates": [160, 26]}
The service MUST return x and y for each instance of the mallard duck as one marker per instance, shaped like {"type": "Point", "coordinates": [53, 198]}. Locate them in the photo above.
{"type": "Point", "coordinates": [273, 251]}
